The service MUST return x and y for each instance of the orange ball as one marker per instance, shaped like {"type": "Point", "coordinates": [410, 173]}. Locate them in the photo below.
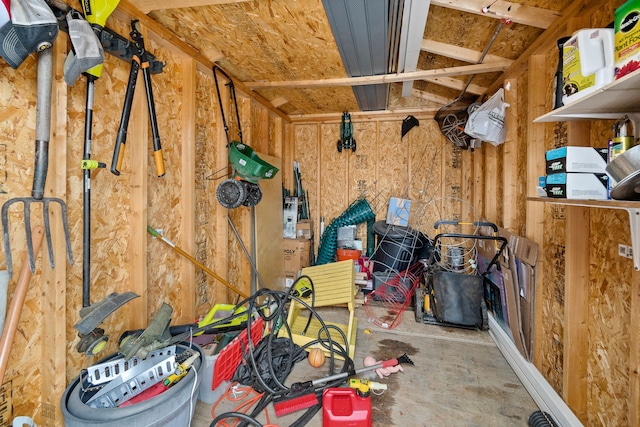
{"type": "Point", "coordinates": [316, 357]}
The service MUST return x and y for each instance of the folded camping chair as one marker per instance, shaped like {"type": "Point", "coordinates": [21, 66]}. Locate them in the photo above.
{"type": "Point", "coordinates": [333, 285]}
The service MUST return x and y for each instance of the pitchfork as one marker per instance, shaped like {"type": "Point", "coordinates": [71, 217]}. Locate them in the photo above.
{"type": "Point", "coordinates": [43, 127]}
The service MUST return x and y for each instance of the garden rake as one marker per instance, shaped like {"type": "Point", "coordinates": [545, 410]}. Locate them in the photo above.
{"type": "Point", "coordinates": [43, 126]}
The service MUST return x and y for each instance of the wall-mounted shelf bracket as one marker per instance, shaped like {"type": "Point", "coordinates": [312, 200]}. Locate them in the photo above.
{"type": "Point", "coordinates": [632, 207]}
{"type": "Point", "coordinates": [634, 222]}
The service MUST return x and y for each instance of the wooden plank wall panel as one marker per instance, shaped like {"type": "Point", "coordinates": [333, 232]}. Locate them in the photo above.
{"type": "Point", "coordinates": [221, 167]}
{"type": "Point", "coordinates": [426, 179]}
{"type": "Point", "coordinates": [393, 166]}
{"type": "Point", "coordinates": [165, 199]}
{"type": "Point", "coordinates": [450, 207]}
{"type": "Point", "coordinates": [609, 312]}
{"type": "Point", "coordinates": [269, 230]}
{"type": "Point", "coordinates": [553, 301]}
{"type": "Point", "coordinates": [511, 158]}
{"type": "Point", "coordinates": [205, 170]}
{"type": "Point", "coordinates": [492, 178]}
{"type": "Point", "coordinates": [521, 182]}
{"type": "Point", "coordinates": [238, 266]}
{"type": "Point", "coordinates": [53, 299]}
{"type": "Point", "coordinates": [362, 162]}
{"type": "Point", "coordinates": [362, 169]}
{"type": "Point", "coordinates": [306, 152]}
{"type": "Point", "coordinates": [333, 174]}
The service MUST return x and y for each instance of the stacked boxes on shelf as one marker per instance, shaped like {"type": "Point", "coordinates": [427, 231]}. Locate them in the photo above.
{"type": "Point", "coordinates": [577, 173]}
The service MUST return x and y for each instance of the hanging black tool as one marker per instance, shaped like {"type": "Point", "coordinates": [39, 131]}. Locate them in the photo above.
{"type": "Point", "coordinates": [93, 339]}
{"type": "Point", "coordinates": [141, 59]}
{"type": "Point", "coordinates": [346, 140]}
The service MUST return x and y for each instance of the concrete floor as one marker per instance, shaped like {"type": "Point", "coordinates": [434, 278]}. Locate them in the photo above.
{"type": "Point", "coordinates": [459, 379]}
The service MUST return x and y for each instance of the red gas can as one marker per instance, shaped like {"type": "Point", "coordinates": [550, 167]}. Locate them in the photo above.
{"type": "Point", "coordinates": [345, 407]}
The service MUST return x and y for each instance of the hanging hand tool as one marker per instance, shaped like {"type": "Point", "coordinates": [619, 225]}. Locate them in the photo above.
{"type": "Point", "coordinates": [346, 141]}
{"type": "Point", "coordinates": [141, 59]}
{"type": "Point", "coordinates": [43, 131]}
{"type": "Point", "coordinates": [93, 339]}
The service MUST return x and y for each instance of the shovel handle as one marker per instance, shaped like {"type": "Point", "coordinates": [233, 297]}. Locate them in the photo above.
{"type": "Point", "coordinates": [17, 302]}
{"type": "Point", "coordinates": [43, 122]}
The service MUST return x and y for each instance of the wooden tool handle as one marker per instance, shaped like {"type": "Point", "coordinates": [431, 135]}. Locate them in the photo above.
{"type": "Point", "coordinates": [15, 309]}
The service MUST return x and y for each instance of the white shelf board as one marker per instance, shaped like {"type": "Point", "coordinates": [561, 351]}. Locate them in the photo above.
{"type": "Point", "coordinates": [609, 102]}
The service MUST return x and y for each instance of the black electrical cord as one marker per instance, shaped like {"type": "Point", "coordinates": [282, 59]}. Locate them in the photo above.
{"type": "Point", "coordinates": [239, 415]}
{"type": "Point", "coordinates": [278, 300]}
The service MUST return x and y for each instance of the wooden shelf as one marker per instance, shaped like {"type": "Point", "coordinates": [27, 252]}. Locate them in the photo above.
{"type": "Point", "coordinates": [632, 208]}
{"type": "Point", "coordinates": [605, 204]}
{"type": "Point", "coordinates": [612, 101]}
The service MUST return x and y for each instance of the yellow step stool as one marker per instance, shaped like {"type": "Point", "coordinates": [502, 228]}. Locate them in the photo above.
{"type": "Point", "coordinates": [333, 285]}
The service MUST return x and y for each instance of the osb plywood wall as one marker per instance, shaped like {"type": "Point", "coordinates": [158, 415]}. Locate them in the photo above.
{"type": "Point", "coordinates": [124, 257]}
{"type": "Point", "coordinates": [585, 348]}
{"type": "Point", "coordinates": [423, 166]}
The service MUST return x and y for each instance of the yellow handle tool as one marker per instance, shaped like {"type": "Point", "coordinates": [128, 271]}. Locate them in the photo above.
{"type": "Point", "coordinates": [181, 371]}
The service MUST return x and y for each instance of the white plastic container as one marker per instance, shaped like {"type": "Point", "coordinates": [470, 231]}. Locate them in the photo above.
{"type": "Point", "coordinates": [206, 393]}
{"type": "Point", "coordinates": [588, 63]}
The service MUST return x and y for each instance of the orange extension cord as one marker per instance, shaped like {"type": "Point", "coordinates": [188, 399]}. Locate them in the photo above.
{"type": "Point", "coordinates": [246, 396]}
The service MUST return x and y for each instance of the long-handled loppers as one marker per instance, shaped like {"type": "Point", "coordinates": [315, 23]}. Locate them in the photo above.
{"type": "Point", "coordinates": [141, 59]}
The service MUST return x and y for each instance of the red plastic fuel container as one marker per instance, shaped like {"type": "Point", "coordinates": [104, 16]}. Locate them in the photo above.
{"type": "Point", "coordinates": [345, 407]}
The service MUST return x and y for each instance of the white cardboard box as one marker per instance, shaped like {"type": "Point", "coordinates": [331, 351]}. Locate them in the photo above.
{"type": "Point", "coordinates": [577, 159]}
{"type": "Point", "coordinates": [594, 186]}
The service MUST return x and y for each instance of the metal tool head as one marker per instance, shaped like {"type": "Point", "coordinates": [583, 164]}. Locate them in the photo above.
{"type": "Point", "coordinates": [405, 359]}
{"type": "Point", "coordinates": [27, 201]}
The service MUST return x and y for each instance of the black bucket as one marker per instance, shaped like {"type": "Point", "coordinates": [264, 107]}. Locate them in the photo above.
{"type": "Point", "coordinates": [398, 247]}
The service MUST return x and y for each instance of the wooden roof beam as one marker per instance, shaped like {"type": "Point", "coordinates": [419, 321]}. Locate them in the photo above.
{"type": "Point", "coordinates": [279, 102]}
{"type": "Point", "coordinates": [386, 78]}
{"type": "Point", "coordinates": [147, 6]}
{"type": "Point", "coordinates": [527, 15]}
{"type": "Point", "coordinates": [456, 84]}
{"type": "Point", "coordinates": [458, 52]}
{"type": "Point", "coordinates": [437, 99]}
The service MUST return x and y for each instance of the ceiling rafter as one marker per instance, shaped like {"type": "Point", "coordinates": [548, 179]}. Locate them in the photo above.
{"type": "Point", "coordinates": [458, 52]}
{"type": "Point", "coordinates": [147, 6]}
{"type": "Point", "coordinates": [386, 78]}
{"type": "Point", "coordinates": [437, 99]}
{"type": "Point", "coordinates": [279, 102]}
{"type": "Point", "coordinates": [456, 84]}
{"type": "Point", "coordinates": [527, 15]}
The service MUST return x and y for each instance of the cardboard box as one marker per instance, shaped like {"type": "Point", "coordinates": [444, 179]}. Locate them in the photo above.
{"type": "Point", "coordinates": [577, 159]}
{"type": "Point", "coordinates": [510, 291]}
{"type": "Point", "coordinates": [593, 186]}
{"type": "Point", "coordinates": [521, 272]}
{"type": "Point", "coordinates": [304, 229]}
{"type": "Point", "coordinates": [297, 254]}
{"type": "Point", "coordinates": [626, 48]}
{"type": "Point", "coordinates": [398, 212]}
